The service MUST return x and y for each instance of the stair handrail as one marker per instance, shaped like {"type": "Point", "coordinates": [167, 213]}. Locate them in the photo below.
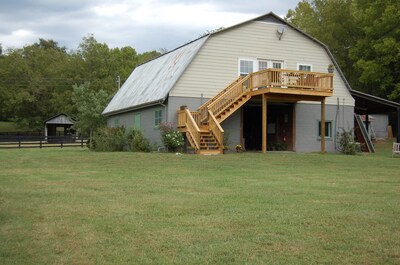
{"type": "Point", "coordinates": [216, 129]}
{"type": "Point", "coordinates": [230, 95]}
{"type": "Point", "coordinates": [203, 108]}
{"type": "Point", "coordinates": [192, 129]}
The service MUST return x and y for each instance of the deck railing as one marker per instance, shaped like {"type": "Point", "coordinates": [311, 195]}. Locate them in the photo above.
{"type": "Point", "coordinates": [292, 79]}
{"type": "Point", "coordinates": [216, 128]}
{"type": "Point", "coordinates": [182, 117]}
{"type": "Point", "coordinates": [269, 78]}
{"type": "Point", "coordinates": [193, 131]}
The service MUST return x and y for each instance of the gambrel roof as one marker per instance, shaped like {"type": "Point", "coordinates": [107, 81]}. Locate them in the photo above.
{"type": "Point", "coordinates": [150, 83]}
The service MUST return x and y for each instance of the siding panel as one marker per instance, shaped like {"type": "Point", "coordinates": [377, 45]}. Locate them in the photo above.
{"type": "Point", "coordinates": [216, 64]}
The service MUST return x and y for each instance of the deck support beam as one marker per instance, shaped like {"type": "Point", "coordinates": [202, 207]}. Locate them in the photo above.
{"type": "Point", "coordinates": [323, 126]}
{"type": "Point", "coordinates": [264, 123]}
{"type": "Point", "coordinates": [398, 126]}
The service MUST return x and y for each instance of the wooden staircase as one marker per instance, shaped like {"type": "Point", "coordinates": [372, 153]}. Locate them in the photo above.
{"type": "Point", "coordinates": [202, 127]}
{"type": "Point", "coordinates": [208, 143]}
{"type": "Point", "coordinates": [229, 110]}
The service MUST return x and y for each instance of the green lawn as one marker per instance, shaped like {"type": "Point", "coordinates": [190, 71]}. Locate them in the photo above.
{"type": "Point", "coordinates": [73, 206]}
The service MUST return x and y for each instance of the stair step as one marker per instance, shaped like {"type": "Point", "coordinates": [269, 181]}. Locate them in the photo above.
{"type": "Point", "coordinates": [209, 152]}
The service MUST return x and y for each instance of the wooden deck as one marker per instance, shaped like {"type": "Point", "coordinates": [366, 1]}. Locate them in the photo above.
{"type": "Point", "coordinates": [276, 84]}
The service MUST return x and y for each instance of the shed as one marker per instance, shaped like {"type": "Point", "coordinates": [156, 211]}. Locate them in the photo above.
{"type": "Point", "coordinates": [367, 104]}
{"type": "Point", "coordinates": [59, 125]}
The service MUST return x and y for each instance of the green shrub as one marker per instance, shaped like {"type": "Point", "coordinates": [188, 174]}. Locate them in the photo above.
{"type": "Point", "coordinates": [171, 138]}
{"type": "Point", "coordinates": [109, 139]}
{"type": "Point", "coordinates": [347, 145]}
{"type": "Point", "coordinates": [137, 141]}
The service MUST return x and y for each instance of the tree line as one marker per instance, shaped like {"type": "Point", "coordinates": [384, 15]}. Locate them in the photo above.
{"type": "Point", "coordinates": [43, 79]}
{"type": "Point", "coordinates": [38, 80]}
{"type": "Point", "coordinates": [363, 36]}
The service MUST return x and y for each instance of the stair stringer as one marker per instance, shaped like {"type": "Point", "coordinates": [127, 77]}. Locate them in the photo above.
{"type": "Point", "coordinates": [235, 105]}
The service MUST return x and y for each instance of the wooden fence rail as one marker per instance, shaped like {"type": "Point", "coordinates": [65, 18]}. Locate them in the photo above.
{"type": "Point", "coordinates": [41, 141]}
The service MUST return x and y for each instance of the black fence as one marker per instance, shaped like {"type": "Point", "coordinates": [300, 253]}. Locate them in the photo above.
{"type": "Point", "coordinates": [31, 141]}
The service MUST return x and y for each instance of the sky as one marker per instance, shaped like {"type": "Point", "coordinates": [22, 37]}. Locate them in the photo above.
{"type": "Point", "coordinates": [142, 24]}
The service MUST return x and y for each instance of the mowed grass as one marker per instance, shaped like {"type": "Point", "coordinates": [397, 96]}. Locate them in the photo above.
{"type": "Point", "coordinates": [74, 206]}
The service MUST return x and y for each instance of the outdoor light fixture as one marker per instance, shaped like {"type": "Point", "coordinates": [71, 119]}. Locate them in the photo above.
{"type": "Point", "coordinates": [280, 30]}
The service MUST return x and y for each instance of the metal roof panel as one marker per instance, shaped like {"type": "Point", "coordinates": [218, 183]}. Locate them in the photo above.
{"type": "Point", "coordinates": [152, 81]}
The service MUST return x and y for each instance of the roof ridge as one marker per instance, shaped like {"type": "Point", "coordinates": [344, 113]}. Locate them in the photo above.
{"type": "Point", "coordinates": [161, 55]}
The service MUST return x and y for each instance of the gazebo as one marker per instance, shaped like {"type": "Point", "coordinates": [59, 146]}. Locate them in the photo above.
{"type": "Point", "coordinates": [59, 125]}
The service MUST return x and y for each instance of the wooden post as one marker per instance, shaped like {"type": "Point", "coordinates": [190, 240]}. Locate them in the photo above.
{"type": "Point", "coordinates": [398, 126]}
{"type": "Point", "coordinates": [323, 126]}
{"type": "Point", "coordinates": [264, 123]}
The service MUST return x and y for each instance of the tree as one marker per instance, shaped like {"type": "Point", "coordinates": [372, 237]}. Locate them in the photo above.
{"type": "Point", "coordinates": [37, 80]}
{"type": "Point", "coordinates": [362, 35]}
{"type": "Point", "coordinates": [376, 54]}
{"type": "Point", "coordinates": [32, 83]}
{"type": "Point", "coordinates": [147, 56]}
{"type": "Point", "coordinates": [89, 105]}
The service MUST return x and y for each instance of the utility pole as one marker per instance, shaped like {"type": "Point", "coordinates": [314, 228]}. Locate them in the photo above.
{"type": "Point", "coordinates": [118, 80]}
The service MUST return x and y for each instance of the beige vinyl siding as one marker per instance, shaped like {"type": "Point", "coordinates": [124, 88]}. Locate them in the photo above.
{"type": "Point", "coordinates": [216, 64]}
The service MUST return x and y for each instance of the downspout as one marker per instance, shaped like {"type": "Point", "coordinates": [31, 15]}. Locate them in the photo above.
{"type": "Point", "coordinates": [398, 126]}
{"type": "Point", "coordinates": [166, 110]}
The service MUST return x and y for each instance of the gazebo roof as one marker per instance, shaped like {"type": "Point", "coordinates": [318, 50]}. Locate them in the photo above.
{"type": "Point", "coordinates": [60, 118]}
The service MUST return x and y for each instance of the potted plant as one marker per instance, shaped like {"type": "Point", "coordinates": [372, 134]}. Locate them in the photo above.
{"type": "Point", "coordinates": [225, 149]}
{"type": "Point", "coordinates": [331, 68]}
{"type": "Point", "coordinates": [238, 148]}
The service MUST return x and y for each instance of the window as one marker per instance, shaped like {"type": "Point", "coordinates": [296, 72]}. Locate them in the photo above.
{"type": "Point", "coordinates": [328, 129]}
{"type": "Point", "coordinates": [277, 65]}
{"type": "Point", "coordinates": [157, 117]}
{"type": "Point", "coordinates": [116, 122]}
{"type": "Point", "coordinates": [136, 121]}
{"type": "Point", "coordinates": [265, 64]}
{"type": "Point", "coordinates": [246, 67]}
{"type": "Point", "coordinates": [262, 65]}
{"type": "Point", "coordinates": [304, 67]}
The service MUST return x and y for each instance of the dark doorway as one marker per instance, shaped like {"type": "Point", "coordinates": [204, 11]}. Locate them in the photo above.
{"type": "Point", "coordinates": [279, 126]}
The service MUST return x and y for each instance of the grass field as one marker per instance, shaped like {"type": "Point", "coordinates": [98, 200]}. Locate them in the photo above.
{"type": "Point", "coordinates": [73, 206]}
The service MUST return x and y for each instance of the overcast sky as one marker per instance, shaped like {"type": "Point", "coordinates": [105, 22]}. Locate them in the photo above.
{"type": "Point", "coordinates": [143, 24]}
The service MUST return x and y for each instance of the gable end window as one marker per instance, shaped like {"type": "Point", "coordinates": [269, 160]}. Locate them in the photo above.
{"type": "Point", "coordinates": [246, 67]}
{"type": "Point", "coordinates": [328, 130]}
{"type": "Point", "coordinates": [157, 117]}
{"type": "Point", "coordinates": [304, 67]}
{"type": "Point", "coordinates": [277, 65]}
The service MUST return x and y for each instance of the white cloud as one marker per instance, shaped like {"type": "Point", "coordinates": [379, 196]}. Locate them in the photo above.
{"type": "Point", "coordinates": [143, 24]}
{"type": "Point", "coordinates": [110, 10]}
{"type": "Point", "coordinates": [163, 14]}
{"type": "Point", "coordinates": [19, 37]}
